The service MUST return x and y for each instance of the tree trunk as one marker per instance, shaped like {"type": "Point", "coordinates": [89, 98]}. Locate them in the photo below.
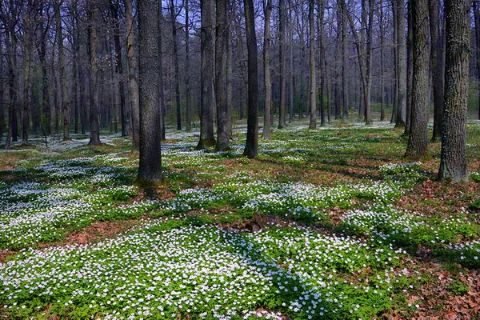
{"type": "Point", "coordinates": [251, 145]}
{"type": "Point", "coordinates": [453, 163]}
{"type": "Point", "coordinates": [132, 77]}
{"type": "Point", "coordinates": [2, 90]}
{"type": "Point", "coordinates": [436, 61]}
{"type": "Point", "coordinates": [382, 44]}
{"type": "Point", "coordinates": [283, 84]}
{"type": "Point", "coordinates": [312, 83]}
{"type": "Point", "coordinates": [27, 68]}
{"type": "Point", "coordinates": [207, 138]}
{"type": "Point", "coordinates": [114, 9]}
{"type": "Point", "coordinates": [150, 170]}
{"type": "Point", "coordinates": [343, 50]}
{"type": "Point", "coordinates": [409, 70]}
{"type": "Point", "coordinates": [418, 139]}
{"type": "Point", "coordinates": [63, 98]}
{"type": "Point", "coordinates": [321, 61]}
{"type": "Point", "coordinates": [173, 21]}
{"type": "Point", "coordinates": [401, 64]}
{"type": "Point", "coordinates": [92, 42]}
{"type": "Point", "coordinates": [188, 107]}
{"type": "Point", "coordinates": [221, 76]}
{"type": "Point", "coordinates": [266, 70]}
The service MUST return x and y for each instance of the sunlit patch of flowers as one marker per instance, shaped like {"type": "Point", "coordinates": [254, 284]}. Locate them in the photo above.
{"type": "Point", "coordinates": [409, 229]}
{"type": "Point", "coordinates": [407, 173]}
{"type": "Point", "coordinates": [202, 272]}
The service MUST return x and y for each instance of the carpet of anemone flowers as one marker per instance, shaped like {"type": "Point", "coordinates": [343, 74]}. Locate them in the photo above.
{"type": "Point", "coordinates": [35, 212]}
{"type": "Point", "coordinates": [170, 270]}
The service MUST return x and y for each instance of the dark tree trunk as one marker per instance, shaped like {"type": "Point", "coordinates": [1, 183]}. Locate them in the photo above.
{"type": "Point", "coordinates": [408, 119]}
{"type": "Point", "coordinates": [453, 163]}
{"type": "Point", "coordinates": [150, 170]}
{"type": "Point", "coordinates": [94, 101]}
{"type": "Point", "coordinates": [188, 107]}
{"type": "Point", "coordinates": [418, 139]}
{"type": "Point", "coordinates": [2, 90]}
{"type": "Point", "coordinates": [114, 9]}
{"type": "Point", "coordinates": [436, 62]}
{"type": "Point", "coordinates": [382, 44]}
{"type": "Point", "coordinates": [283, 81]}
{"type": "Point", "coordinates": [312, 82]}
{"type": "Point", "coordinates": [27, 68]}
{"type": "Point", "coordinates": [44, 28]}
{"type": "Point", "coordinates": [207, 138]}
{"type": "Point", "coordinates": [401, 64]}
{"type": "Point", "coordinates": [221, 76]}
{"type": "Point", "coordinates": [132, 76]}
{"type": "Point", "coordinates": [173, 20]}
{"type": "Point", "coordinates": [63, 98]}
{"type": "Point", "coordinates": [321, 61]}
{"type": "Point", "coordinates": [267, 7]}
{"type": "Point", "coordinates": [251, 146]}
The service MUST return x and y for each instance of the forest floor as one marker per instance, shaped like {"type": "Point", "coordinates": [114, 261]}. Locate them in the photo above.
{"type": "Point", "coordinates": [325, 224]}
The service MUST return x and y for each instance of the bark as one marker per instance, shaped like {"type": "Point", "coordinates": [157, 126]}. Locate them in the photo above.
{"type": "Point", "coordinates": [150, 170]}
{"type": "Point", "coordinates": [207, 106]}
{"type": "Point", "coordinates": [93, 72]}
{"type": "Point", "coordinates": [453, 163]}
{"type": "Point", "coordinates": [321, 62]}
{"type": "Point", "coordinates": [266, 70]}
{"type": "Point", "coordinates": [221, 76]}
{"type": "Point", "coordinates": [173, 20]}
{"type": "Point", "coordinates": [283, 84]}
{"type": "Point", "coordinates": [418, 138]}
{"type": "Point", "coordinates": [132, 76]}
{"type": "Point", "coordinates": [63, 96]}
{"type": "Point", "coordinates": [343, 33]}
{"type": "Point", "coordinates": [114, 9]}
{"type": "Point", "coordinates": [401, 64]}
{"type": "Point", "coordinates": [27, 68]}
{"type": "Point", "coordinates": [251, 145]}
{"type": "Point", "coordinates": [312, 83]}
{"type": "Point", "coordinates": [44, 28]}
{"type": "Point", "coordinates": [75, 67]}
{"type": "Point", "coordinates": [409, 70]}
{"type": "Point", "coordinates": [188, 107]}
{"type": "Point", "coordinates": [382, 44]}
{"type": "Point", "coordinates": [2, 90]}
{"type": "Point", "coordinates": [436, 61]}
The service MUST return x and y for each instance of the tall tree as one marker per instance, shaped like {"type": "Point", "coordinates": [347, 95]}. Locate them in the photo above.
{"type": "Point", "coordinates": [409, 69]}
{"type": "Point", "coordinates": [312, 83]}
{"type": "Point", "coordinates": [381, 76]}
{"type": "Point", "coordinates": [120, 77]}
{"type": "Point", "coordinates": [251, 146]}
{"type": "Point", "coordinates": [400, 63]}
{"type": "Point", "coordinates": [150, 170]}
{"type": "Point", "coordinates": [418, 138]}
{"type": "Point", "coordinates": [132, 75]}
{"type": "Point", "coordinates": [267, 9]}
{"type": "Point", "coordinates": [42, 40]}
{"type": "Point", "coordinates": [93, 72]}
{"type": "Point", "coordinates": [321, 60]}
{"type": "Point", "coordinates": [283, 81]}
{"type": "Point", "coordinates": [436, 61]}
{"type": "Point", "coordinates": [173, 21]}
{"type": "Point", "coordinates": [453, 163]}
{"type": "Point", "coordinates": [188, 108]}
{"type": "Point", "coordinates": [28, 26]}
{"type": "Point", "coordinates": [221, 39]}
{"type": "Point", "coordinates": [207, 106]}
{"type": "Point", "coordinates": [63, 95]}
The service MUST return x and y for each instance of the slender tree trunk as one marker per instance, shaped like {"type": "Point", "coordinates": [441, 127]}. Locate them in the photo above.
{"type": "Point", "coordinates": [11, 44]}
{"type": "Point", "coordinates": [382, 44]}
{"type": "Point", "coordinates": [114, 9]}
{"type": "Point", "coordinates": [283, 84]}
{"type": "Point", "coordinates": [229, 81]}
{"type": "Point", "coordinates": [207, 138]}
{"type": "Point", "coordinates": [251, 146]}
{"type": "Point", "coordinates": [221, 76]}
{"type": "Point", "coordinates": [2, 89]}
{"type": "Point", "coordinates": [27, 69]}
{"type": "Point", "coordinates": [132, 77]}
{"type": "Point", "coordinates": [63, 96]}
{"type": "Point", "coordinates": [409, 70]}
{"type": "Point", "coordinates": [436, 61]}
{"type": "Point", "coordinates": [312, 83]}
{"type": "Point", "coordinates": [267, 6]}
{"type": "Point", "coordinates": [321, 61]}
{"type": "Point", "coordinates": [453, 163]}
{"type": "Point", "coordinates": [150, 170]}
{"type": "Point", "coordinates": [94, 100]}
{"type": "Point", "coordinates": [418, 139]}
{"type": "Point", "coordinates": [173, 20]}
{"type": "Point", "coordinates": [343, 48]}
{"type": "Point", "coordinates": [401, 64]}
{"type": "Point", "coordinates": [188, 107]}
{"type": "Point", "coordinates": [42, 55]}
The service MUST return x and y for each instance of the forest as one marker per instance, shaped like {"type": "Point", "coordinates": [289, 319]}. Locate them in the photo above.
{"type": "Point", "coordinates": [240, 159]}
